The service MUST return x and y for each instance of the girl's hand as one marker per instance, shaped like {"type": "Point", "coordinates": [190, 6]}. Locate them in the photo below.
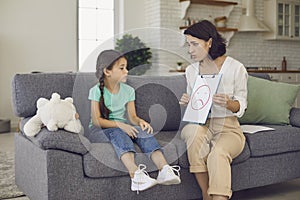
{"type": "Point", "coordinates": [145, 125]}
{"type": "Point", "coordinates": [184, 99]}
{"type": "Point", "coordinates": [76, 116]}
{"type": "Point", "coordinates": [221, 99]}
{"type": "Point", "coordinates": [130, 130]}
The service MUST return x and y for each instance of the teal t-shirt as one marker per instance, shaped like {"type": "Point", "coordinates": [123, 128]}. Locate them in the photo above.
{"type": "Point", "coordinates": [116, 103]}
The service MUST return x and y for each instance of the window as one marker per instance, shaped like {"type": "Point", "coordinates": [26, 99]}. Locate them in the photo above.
{"type": "Point", "coordinates": [95, 25]}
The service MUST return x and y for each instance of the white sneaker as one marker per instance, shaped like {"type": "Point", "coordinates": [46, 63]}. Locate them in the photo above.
{"type": "Point", "coordinates": [141, 180]}
{"type": "Point", "coordinates": [167, 175]}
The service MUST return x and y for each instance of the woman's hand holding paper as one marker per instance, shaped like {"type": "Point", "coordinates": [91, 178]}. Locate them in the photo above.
{"type": "Point", "coordinates": [221, 99]}
{"type": "Point", "coordinates": [224, 101]}
{"type": "Point", "coordinates": [184, 99]}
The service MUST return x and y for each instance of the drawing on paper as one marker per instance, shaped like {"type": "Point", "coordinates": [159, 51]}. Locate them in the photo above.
{"type": "Point", "coordinates": [201, 97]}
{"type": "Point", "coordinates": [200, 102]}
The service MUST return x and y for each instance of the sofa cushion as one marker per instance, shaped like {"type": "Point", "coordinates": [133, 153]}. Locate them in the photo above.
{"type": "Point", "coordinates": [61, 139]}
{"type": "Point", "coordinates": [261, 75]}
{"type": "Point", "coordinates": [157, 100]}
{"type": "Point", "coordinates": [82, 84]}
{"type": "Point", "coordinates": [264, 98]}
{"type": "Point", "coordinates": [159, 111]}
{"type": "Point", "coordinates": [295, 117]}
{"type": "Point", "coordinates": [282, 139]}
{"type": "Point", "coordinates": [102, 161]}
{"type": "Point", "coordinates": [245, 155]}
{"type": "Point", "coordinates": [28, 88]}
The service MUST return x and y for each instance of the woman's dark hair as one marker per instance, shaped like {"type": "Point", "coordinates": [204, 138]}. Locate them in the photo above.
{"type": "Point", "coordinates": [106, 59]}
{"type": "Point", "coordinates": [205, 30]}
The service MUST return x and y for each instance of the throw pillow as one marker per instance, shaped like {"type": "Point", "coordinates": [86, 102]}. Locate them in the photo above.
{"type": "Point", "coordinates": [269, 102]}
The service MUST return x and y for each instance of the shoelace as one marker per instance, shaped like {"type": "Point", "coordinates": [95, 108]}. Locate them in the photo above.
{"type": "Point", "coordinates": [141, 169]}
{"type": "Point", "coordinates": [176, 168]}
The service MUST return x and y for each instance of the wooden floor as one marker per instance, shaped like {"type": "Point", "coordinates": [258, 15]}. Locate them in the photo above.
{"type": "Point", "coordinates": [283, 191]}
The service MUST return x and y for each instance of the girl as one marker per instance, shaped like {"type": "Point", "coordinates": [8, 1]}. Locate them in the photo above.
{"type": "Point", "coordinates": [110, 99]}
{"type": "Point", "coordinates": [211, 147]}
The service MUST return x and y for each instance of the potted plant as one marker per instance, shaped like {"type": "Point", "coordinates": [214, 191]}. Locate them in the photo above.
{"type": "Point", "coordinates": [179, 65]}
{"type": "Point", "coordinates": [136, 53]}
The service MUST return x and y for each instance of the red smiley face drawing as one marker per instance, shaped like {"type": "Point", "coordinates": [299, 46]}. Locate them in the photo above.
{"type": "Point", "coordinates": [200, 97]}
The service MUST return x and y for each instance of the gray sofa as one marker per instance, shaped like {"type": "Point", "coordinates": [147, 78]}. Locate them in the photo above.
{"type": "Point", "coordinates": [62, 165]}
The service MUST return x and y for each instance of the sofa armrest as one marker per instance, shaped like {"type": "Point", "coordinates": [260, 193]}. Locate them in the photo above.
{"type": "Point", "coordinates": [61, 140]}
{"type": "Point", "coordinates": [295, 117]}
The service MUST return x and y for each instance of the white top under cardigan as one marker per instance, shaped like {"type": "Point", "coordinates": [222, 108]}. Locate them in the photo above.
{"type": "Point", "coordinates": [233, 83]}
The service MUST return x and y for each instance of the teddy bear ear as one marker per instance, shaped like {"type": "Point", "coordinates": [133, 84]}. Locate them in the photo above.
{"type": "Point", "coordinates": [55, 96]}
{"type": "Point", "coordinates": [69, 99]}
{"type": "Point", "coordinates": [41, 101]}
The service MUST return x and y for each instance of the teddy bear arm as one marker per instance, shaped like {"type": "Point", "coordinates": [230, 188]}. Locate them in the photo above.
{"type": "Point", "coordinates": [33, 126]}
{"type": "Point", "coordinates": [52, 125]}
{"type": "Point", "coordinates": [73, 126]}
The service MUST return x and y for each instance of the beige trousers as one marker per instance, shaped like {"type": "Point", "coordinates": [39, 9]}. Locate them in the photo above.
{"type": "Point", "coordinates": [211, 148]}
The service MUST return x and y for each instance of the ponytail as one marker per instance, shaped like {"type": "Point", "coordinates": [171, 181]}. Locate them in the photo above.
{"type": "Point", "coordinates": [104, 111]}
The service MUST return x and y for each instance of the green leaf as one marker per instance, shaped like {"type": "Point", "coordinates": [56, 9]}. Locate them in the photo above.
{"type": "Point", "coordinates": [138, 55]}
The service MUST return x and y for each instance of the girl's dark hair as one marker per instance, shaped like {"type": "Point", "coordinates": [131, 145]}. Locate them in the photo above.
{"type": "Point", "coordinates": [106, 59]}
{"type": "Point", "coordinates": [205, 30]}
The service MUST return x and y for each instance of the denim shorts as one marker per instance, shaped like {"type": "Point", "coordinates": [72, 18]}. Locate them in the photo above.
{"type": "Point", "coordinates": [122, 143]}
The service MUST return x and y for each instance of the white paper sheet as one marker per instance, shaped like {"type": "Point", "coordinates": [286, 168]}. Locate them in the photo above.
{"type": "Point", "coordinates": [201, 98]}
{"type": "Point", "coordinates": [254, 128]}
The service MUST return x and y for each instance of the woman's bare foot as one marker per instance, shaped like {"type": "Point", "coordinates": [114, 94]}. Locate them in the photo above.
{"type": "Point", "coordinates": [207, 197]}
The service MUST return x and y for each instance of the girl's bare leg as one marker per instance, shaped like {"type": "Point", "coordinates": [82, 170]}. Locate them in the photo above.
{"type": "Point", "coordinates": [129, 162]}
{"type": "Point", "coordinates": [158, 159]}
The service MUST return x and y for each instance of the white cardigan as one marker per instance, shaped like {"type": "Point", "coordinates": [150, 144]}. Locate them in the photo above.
{"type": "Point", "coordinates": [233, 83]}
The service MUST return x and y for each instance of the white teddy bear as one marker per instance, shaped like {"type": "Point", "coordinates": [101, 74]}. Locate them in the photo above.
{"type": "Point", "coordinates": [54, 113]}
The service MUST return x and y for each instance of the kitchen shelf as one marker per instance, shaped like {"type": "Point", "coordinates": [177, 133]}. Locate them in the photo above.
{"type": "Point", "coordinates": [220, 29]}
{"type": "Point", "coordinates": [252, 71]}
{"type": "Point", "coordinates": [211, 2]}
{"type": "Point", "coordinates": [282, 17]}
{"type": "Point", "coordinates": [271, 71]}
{"type": "Point", "coordinates": [226, 33]}
{"type": "Point", "coordinates": [185, 4]}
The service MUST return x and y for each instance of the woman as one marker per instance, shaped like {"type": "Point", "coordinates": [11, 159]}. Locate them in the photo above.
{"type": "Point", "coordinates": [212, 146]}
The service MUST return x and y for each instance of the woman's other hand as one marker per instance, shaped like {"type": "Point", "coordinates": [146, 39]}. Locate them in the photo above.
{"type": "Point", "coordinates": [226, 102]}
{"type": "Point", "coordinates": [184, 99]}
{"type": "Point", "coordinates": [221, 99]}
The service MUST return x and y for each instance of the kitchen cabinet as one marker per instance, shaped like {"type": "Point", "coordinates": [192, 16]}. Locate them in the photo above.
{"type": "Point", "coordinates": [226, 32]}
{"type": "Point", "coordinates": [185, 4]}
{"type": "Point", "coordinates": [282, 17]}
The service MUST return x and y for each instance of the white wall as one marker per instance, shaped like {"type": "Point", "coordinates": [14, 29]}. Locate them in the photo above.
{"type": "Point", "coordinates": [35, 35]}
{"type": "Point", "coordinates": [134, 14]}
